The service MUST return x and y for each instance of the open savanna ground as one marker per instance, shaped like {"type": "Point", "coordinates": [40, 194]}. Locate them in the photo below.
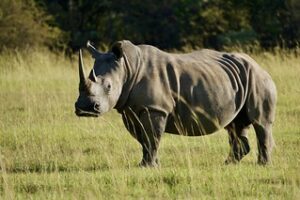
{"type": "Point", "coordinates": [46, 152]}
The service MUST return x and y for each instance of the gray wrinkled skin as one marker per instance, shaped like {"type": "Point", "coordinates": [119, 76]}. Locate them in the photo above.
{"type": "Point", "coordinates": [190, 94]}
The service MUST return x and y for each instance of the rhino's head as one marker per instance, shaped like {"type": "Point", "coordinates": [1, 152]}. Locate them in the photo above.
{"type": "Point", "coordinates": [99, 92]}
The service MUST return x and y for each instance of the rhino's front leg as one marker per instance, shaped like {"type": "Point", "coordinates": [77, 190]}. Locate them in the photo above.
{"type": "Point", "coordinates": [152, 126]}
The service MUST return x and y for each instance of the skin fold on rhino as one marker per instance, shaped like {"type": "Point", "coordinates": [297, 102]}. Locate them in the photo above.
{"type": "Point", "coordinates": [191, 94]}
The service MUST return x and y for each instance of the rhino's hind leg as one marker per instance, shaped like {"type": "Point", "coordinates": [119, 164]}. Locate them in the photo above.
{"type": "Point", "coordinates": [239, 145]}
{"type": "Point", "coordinates": [265, 142]}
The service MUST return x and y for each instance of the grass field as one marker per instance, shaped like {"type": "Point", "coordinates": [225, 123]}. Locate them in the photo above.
{"type": "Point", "coordinates": [49, 153]}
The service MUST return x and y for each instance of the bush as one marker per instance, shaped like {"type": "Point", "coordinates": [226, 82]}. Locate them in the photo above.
{"type": "Point", "coordinates": [23, 24]}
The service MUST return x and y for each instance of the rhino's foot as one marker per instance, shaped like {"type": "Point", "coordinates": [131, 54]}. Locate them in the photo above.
{"type": "Point", "coordinates": [144, 163]}
{"type": "Point", "coordinates": [263, 161]}
{"type": "Point", "coordinates": [235, 158]}
{"type": "Point", "coordinates": [231, 160]}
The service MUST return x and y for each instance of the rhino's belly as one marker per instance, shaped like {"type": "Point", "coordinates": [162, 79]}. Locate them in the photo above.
{"type": "Point", "coordinates": [197, 122]}
{"type": "Point", "coordinates": [191, 127]}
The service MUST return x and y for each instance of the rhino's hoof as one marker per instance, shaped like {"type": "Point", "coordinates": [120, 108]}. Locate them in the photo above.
{"type": "Point", "coordinates": [231, 160]}
{"type": "Point", "coordinates": [149, 164]}
{"type": "Point", "coordinates": [263, 162]}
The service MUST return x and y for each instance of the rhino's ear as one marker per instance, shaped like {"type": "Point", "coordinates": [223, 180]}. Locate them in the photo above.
{"type": "Point", "coordinates": [95, 53]}
{"type": "Point", "coordinates": [117, 49]}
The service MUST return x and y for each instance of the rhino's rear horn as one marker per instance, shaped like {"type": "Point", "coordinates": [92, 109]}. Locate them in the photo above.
{"type": "Point", "coordinates": [95, 53]}
{"type": "Point", "coordinates": [94, 77]}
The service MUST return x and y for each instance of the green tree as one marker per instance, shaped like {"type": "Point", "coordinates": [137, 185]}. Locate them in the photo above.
{"type": "Point", "coordinates": [171, 24]}
{"type": "Point", "coordinates": [23, 24]}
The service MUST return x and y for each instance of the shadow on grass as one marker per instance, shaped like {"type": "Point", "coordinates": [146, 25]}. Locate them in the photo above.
{"type": "Point", "coordinates": [60, 168]}
{"type": "Point", "coordinates": [277, 181]}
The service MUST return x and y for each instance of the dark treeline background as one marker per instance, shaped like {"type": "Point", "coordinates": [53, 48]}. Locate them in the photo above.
{"type": "Point", "coordinates": [168, 24]}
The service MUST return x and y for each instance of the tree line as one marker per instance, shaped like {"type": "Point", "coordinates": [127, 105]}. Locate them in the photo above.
{"type": "Point", "coordinates": [168, 24]}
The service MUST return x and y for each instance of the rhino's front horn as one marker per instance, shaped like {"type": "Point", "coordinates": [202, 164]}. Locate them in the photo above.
{"type": "Point", "coordinates": [81, 70]}
{"type": "Point", "coordinates": [95, 53]}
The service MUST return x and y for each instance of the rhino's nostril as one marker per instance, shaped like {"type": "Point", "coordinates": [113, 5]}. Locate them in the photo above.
{"type": "Point", "coordinates": [97, 106]}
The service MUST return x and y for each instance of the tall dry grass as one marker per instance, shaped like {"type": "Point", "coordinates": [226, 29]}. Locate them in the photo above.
{"type": "Point", "coordinates": [49, 153]}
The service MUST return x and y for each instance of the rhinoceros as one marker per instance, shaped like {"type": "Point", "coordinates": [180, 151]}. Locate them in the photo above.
{"type": "Point", "coordinates": [190, 94]}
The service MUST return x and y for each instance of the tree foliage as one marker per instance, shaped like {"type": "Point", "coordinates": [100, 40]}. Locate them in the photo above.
{"type": "Point", "coordinates": [23, 24]}
{"type": "Point", "coordinates": [168, 24]}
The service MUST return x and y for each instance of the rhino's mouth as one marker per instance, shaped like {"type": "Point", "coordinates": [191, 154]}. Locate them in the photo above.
{"type": "Point", "coordinates": [82, 113]}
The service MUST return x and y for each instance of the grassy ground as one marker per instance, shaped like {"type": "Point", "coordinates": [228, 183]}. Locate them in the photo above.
{"type": "Point", "coordinates": [49, 153]}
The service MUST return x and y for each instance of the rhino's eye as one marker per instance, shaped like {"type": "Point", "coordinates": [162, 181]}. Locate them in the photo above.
{"type": "Point", "coordinates": [108, 87]}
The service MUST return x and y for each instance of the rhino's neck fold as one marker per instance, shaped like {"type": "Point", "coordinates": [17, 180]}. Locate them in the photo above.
{"type": "Point", "coordinates": [131, 74]}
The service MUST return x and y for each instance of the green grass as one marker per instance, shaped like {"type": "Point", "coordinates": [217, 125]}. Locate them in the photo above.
{"type": "Point", "coordinates": [49, 153]}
